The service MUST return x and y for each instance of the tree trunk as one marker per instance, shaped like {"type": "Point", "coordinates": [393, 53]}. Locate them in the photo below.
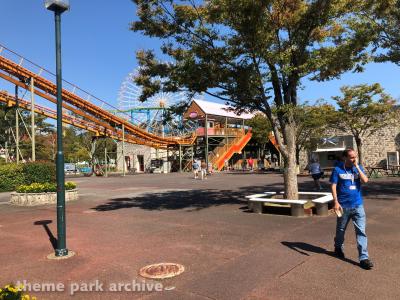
{"type": "Point", "coordinates": [290, 170]}
{"type": "Point", "coordinates": [92, 157]}
{"type": "Point", "coordinates": [360, 150]}
{"type": "Point", "coordinates": [298, 154]}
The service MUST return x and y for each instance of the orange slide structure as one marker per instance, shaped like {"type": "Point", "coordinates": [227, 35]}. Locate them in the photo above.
{"type": "Point", "coordinates": [89, 116]}
{"type": "Point", "coordinates": [236, 147]}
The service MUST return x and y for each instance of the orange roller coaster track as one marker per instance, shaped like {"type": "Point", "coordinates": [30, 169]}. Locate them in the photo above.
{"type": "Point", "coordinates": [67, 119]}
{"type": "Point", "coordinates": [91, 117]}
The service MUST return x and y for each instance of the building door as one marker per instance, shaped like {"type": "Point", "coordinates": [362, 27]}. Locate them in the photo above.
{"type": "Point", "coordinates": [141, 162]}
{"type": "Point", "coordinates": [128, 163]}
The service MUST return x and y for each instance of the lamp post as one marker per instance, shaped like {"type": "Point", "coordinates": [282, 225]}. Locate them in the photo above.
{"type": "Point", "coordinates": [59, 6]}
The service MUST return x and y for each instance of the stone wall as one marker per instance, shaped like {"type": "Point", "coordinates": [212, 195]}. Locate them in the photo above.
{"type": "Point", "coordinates": [32, 199]}
{"type": "Point", "coordinates": [381, 142]}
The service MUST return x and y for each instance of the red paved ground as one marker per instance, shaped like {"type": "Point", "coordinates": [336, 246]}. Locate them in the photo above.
{"type": "Point", "coordinates": [122, 224]}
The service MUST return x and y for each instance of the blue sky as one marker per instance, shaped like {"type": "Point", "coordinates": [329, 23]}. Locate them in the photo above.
{"type": "Point", "coordinates": [98, 49]}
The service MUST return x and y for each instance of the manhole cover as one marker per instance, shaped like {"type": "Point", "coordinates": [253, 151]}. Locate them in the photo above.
{"type": "Point", "coordinates": [162, 270]}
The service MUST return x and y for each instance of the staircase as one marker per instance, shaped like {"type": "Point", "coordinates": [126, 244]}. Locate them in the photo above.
{"type": "Point", "coordinates": [224, 152]}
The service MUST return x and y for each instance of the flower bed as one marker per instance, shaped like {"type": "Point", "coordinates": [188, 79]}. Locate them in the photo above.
{"type": "Point", "coordinates": [13, 292]}
{"type": "Point", "coordinates": [42, 193]}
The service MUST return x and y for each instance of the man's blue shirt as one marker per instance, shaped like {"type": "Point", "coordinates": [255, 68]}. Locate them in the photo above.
{"type": "Point", "coordinates": [348, 185]}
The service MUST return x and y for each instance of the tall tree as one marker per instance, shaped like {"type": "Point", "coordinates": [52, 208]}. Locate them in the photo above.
{"type": "Point", "coordinates": [364, 109]}
{"type": "Point", "coordinates": [260, 129]}
{"type": "Point", "coordinates": [251, 54]}
{"type": "Point", "coordinates": [312, 120]}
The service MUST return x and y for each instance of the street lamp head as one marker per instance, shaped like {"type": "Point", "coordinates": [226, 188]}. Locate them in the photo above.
{"type": "Point", "coordinates": [57, 5]}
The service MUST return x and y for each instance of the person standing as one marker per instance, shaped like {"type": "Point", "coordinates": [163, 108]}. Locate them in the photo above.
{"type": "Point", "coordinates": [196, 168]}
{"type": "Point", "coordinates": [316, 173]}
{"type": "Point", "coordinates": [210, 169]}
{"type": "Point", "coordinates": [346, 182]}
{"type": "Point", "coordinates": [203, 171]}
{"type": "Point", "coordinates": [250, 162]}
{"type": "Point", "coordinates": [244, 165]}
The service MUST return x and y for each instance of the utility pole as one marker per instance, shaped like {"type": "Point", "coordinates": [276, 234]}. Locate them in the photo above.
{"type": "Point", "coordinates": [58, 7]}
{"type": "Point", "coordinates": [33, 120]}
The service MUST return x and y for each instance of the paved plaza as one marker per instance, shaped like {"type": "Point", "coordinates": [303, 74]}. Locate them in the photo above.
{"type": "Point", "coordinates": [121, 224]}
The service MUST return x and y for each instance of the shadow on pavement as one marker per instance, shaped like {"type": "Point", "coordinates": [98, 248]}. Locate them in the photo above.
{"type": "Point", "coordinates": [173, 200]}
{"type": "Point", "coordinates": [201, 198]}
{"type": "Point", "coordinates": [303, 248]}
{"type": "Point", "coordinates": [52, 239]}
{"type": "Point", "coordinates": [384, 190]}
{"type": "Point", "coordinates": [191, 199]}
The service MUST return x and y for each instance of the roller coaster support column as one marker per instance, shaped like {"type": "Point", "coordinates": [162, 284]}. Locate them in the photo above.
{"type": "Point", "coordinates": [123, 150]}
{"type": "Point", "coordinates": [33, 120]}
{"type": "Point", "coordinates": [16, 125]}
{"type": "Point", "coordinates": [206, 136]}
{"type": "Point", "coordinates": [226, 134]}
{"type": "Point", "coordinates": [180, 158]}
{"type": "Point", "coordinates": [105, 159]}
{"type": "Point", "coordinates": [17, 134]}
{"type": "Point", "coordinates": [6, 154]}
{"type": "Point", "coordinates": [61, 250]}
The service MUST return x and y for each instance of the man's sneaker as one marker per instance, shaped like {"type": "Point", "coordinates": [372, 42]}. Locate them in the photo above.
{"type": "Point", "coordinates": [366, 264]}
{"type": "Point", "coordinates": [339, 253]}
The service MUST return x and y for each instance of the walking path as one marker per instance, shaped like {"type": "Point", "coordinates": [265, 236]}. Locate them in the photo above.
{"type": "Point", "coordinates": [121, 224]}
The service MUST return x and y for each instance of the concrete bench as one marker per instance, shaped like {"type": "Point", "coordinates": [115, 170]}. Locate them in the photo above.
{"type": "Point", "coordinates": [296, 206]}
{"type": "Point", "coordinates": [321, 203]}
{"type": "Point", "coordinates": [257, 201]}
{"type": "Point", "coordinates": [261, 195]}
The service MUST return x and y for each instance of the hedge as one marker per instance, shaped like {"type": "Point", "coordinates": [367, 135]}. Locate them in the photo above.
{"type": "Point", "coordinates": [13, 175]}
{"type": "Point", "coordinates": [39, 172]}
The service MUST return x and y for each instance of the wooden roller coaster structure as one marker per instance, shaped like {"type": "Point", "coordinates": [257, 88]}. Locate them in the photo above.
{"type": "Point", "coordinates": [87, 115]}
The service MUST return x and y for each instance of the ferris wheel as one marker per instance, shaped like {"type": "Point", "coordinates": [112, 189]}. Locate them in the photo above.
{"type": "Point", "coordinates": [149, 114]}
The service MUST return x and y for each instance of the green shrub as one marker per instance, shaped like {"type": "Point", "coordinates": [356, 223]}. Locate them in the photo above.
{"type": "Point", "coordinates": [69, 185]}
{"type": "Point", "coordinates": [11, 175]}
{"type": "Point", "coordinates": [39, 172]}
{"type": "Point", "coordinates": [46, 187]}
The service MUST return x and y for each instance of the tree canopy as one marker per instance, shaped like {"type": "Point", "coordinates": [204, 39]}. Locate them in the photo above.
{"type": "Point", "coordinates": [261, 128]}
{"type": "Point", "coordinates": [252, 54]}
{"type": "Point", "coordinates": [383, 22]}
{"type": "Point", "coordinates": [364, 109]}
{"type": "Point", "coordinates": [312, 122]}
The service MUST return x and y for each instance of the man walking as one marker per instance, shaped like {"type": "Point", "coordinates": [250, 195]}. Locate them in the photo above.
{"type": "Point", "coordinates": [346, 182]}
